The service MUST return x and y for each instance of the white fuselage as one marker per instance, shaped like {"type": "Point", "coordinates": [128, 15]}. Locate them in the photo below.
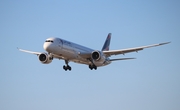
{"type": "Point", "coordinates": [69, 51]}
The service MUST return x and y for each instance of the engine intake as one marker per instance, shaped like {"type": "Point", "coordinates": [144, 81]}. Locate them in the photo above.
{"type": "Point", "coordinates": [98, 58]}
{"type": "Point", "coordinates": [45, 58]}
{"type": "Point", "coordinates": [96, 55]}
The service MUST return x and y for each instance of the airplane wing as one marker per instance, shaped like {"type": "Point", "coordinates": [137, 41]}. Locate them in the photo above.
{"type": "Point", "coordinates": [27, 51]}
{"type": "Point", "coordinates": [121, 59]}
{"type": "Point", "coordinates": [38, 53]}
{"type": "Point", "coordinates": [136, 49]}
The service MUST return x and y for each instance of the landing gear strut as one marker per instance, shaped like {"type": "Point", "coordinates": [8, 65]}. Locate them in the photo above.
{"type": "Point", "coordinates": [67, 67]}
{"type": "Point", "coordinates": [92, 65]}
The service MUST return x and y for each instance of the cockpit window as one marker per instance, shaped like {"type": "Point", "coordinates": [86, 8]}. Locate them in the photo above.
{"type": "Point", "coordinates": [49, 41]}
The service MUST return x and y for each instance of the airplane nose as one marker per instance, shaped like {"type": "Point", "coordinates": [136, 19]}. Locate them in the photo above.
{"type": "Point", "coordinates": [47, 47]}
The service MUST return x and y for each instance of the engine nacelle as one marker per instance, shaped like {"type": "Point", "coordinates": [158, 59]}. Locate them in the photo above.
{"type": "Point", "coordinates": [96, 55]}
{"type": "Point", "coordinates": [45, 58]}
{"type": "Point", "coordinates": [98, 58]}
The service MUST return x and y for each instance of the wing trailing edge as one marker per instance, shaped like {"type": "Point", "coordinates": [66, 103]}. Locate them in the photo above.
{"type": "Point", "coordinates": [121, 59]}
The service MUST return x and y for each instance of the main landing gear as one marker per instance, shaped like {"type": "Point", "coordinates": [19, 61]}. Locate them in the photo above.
{"type": "Point", "coordinates": [93, 67]}
{"type": "Point", "coordinates": [67, 67]}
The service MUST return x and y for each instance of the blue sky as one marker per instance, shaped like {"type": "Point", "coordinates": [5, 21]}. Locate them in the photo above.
{"type": "Point", "coordinates": [150, 82]}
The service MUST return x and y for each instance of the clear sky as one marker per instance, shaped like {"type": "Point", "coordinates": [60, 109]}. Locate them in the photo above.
{"type": "Point", "coordinates": [150, 82]}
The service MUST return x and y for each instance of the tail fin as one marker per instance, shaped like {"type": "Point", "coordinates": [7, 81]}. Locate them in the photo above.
{"type": "Point", "coordinates": [107, 43]}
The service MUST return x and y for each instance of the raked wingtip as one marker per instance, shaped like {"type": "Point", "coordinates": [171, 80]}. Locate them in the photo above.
{"type": "Point", "coordinates": [164, 43]}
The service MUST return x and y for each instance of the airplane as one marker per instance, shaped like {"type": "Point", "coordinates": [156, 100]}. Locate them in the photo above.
{"type": "Point", "coordinates": [71, 52]}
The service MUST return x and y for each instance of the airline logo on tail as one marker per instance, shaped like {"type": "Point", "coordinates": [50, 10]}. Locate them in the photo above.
{"type": "Point", "coordinates": [107, 43]}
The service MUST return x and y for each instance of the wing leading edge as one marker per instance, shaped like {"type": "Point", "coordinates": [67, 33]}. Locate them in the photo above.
{"type": "Point", "coordinates": [38, 53]}
{"type": "Point", "coordinates": [27, 51]}
{"type": "Point", "coordinates": [136, 49]}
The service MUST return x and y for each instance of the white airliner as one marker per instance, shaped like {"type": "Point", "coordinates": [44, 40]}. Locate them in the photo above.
{"type": "Point", "coordinates": [68, 51]}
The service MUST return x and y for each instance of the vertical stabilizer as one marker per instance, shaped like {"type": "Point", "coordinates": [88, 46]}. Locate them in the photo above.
{"type": "Point", "coordinates": [107, 43]}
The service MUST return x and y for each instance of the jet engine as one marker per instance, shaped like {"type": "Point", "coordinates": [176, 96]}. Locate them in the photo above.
{"type": "Point", "coordinates": [45, 58]}
{"type": "Point", "coordinates": [98, 58]}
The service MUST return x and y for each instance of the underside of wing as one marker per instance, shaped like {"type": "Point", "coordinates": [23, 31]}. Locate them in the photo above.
{"type": "Point", "coordinates": [124, 51]}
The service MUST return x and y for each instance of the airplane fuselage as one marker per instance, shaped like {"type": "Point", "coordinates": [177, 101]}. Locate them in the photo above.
{"type": "Point", "coordinates": [70, 51]}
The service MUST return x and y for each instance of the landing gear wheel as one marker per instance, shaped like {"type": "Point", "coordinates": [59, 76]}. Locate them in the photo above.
{"type": "Point", "coordinates": [93, 67]}
{"type": "Point", "coordinates": [64, 67]}
{"type": "Point", "coordinates": [90, 67]}
{"type": "Point", "coordinates": [67, 67]}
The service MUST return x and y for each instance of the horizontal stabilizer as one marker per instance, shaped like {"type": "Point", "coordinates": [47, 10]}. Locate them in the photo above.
{"type": "Point", "coordinates": [121, 59]}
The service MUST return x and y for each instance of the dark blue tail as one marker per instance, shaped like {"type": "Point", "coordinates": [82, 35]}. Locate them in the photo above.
{"type": "Point", "coordinates": [107, 43]}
